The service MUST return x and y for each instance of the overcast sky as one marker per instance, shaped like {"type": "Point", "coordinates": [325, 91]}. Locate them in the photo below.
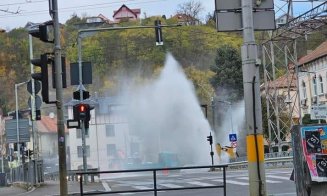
{"type": "Point", "coordinates": [37, 10]}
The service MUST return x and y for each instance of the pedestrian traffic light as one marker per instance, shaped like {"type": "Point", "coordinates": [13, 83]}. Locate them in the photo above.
{"type": "Point", "coordinates": [82, 112]}
{"type": "Point", "coordinates": [42, 76]}
{"type": "Point", "coordinates": [209, 139]}
{"type": "Point", "coordinates": [158, 31]}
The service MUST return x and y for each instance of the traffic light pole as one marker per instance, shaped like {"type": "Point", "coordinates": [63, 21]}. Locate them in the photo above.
{"type": "Point", "coordinates": [81, 88]}
{"type": "Point", "coordinates": [253, 116]}
{"type": "Point", "coordinates": [59, 103]}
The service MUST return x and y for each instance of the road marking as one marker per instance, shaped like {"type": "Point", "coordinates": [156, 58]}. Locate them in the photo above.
{"type": "Point", "coordinates": [171, 185]}
{"type": "Point", "coordinates": [270, 181]}
{"type": "Point", "coordinates": [233, 182]}
{"type": "Point", "coordinates": [141, 187]}
{"type": "Point", "coordinates": [278, 177]}
{"type": "Point", "coordinates": [200, 183]}
{"type": "Point", "coordinates": [283, 194]}
{"type": "Point", "coordinates": [106, 186]}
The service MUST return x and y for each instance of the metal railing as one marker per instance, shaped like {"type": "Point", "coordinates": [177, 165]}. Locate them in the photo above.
{"type": "Point", "coordinates": [155, 188]}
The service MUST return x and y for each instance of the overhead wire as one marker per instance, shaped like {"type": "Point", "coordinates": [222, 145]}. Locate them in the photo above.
{"type": "Point", "coordinates": [74, 8]}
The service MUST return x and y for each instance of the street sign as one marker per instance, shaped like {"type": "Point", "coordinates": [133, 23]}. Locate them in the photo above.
{"type": "Point", "coordinates": [38, 102]}
{"type": "Point", "coordinates": [73, 124]}
{"type": "Point", "coordinates": [37, 86]}
{"type": "Point", "coordinates": [233, 144]}
{"type": "Point", "coordinates": [11, 130]}
{"type": "Point", "coordinates": [232, 137]}
{"type": "Point", "coordinates": [86, 73]}
{"type": "Point", "coordinates": [318, 112]}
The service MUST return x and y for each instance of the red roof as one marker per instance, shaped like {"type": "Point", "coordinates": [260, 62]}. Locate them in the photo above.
{"type": "Point", "coordinates": [319, 52]}
{"type": "Point", "coordinates": [133, 11]}
{"type": "Point", "coordinates": [48, 125]}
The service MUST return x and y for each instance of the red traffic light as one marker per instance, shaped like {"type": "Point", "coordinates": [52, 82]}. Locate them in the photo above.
{"type": "Point", "coordinates": [82, 108]}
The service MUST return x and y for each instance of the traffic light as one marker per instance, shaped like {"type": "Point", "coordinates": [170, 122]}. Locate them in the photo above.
{"type": "Point", "coordinates": [42, 31]}
{"type": "Point", "coordinates": [209, 139]}
{"type": "Point", "coordinates": [82, 112]}
{"type": "Point", "coordinates": [158, 31]}
{"type": "Point", "coordinates": [63, 69]}
{"type": "Point", "coordinates": [42, 76]}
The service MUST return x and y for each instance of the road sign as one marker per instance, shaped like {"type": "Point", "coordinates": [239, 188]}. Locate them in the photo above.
{"type": "Point", "coordinates": [38, 102]}
{"type": "Point", "coordinates": [318, 112]}
{"type": "Point", "coordinates": [233, 144]}
{"type": "Point", "coordinates": [11, 130]}
{"type": "Point", "coordinates": [37, 86]}
{"type": "Point", "coordinates": [232, 137]}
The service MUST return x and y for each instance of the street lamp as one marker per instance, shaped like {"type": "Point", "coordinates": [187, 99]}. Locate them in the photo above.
{"type": "Point", "coordinates": [17, 119]}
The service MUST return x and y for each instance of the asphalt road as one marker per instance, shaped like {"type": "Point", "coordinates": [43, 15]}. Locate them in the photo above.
{"type": "Point", "coordinates": [278, 184]}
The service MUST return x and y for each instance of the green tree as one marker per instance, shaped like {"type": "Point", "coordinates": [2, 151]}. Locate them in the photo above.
{"type": "Point", "coordinates": [228, 79]}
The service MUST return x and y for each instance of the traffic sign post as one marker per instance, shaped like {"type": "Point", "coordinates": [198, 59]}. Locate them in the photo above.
{"type": "Point", "coordinates": [232, 137]}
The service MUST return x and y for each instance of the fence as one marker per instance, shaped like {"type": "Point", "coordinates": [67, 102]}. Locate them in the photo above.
{"type": "Point", "coordinates": [155, 189]}
{"type": "Point", "coordinates": [30, 172]}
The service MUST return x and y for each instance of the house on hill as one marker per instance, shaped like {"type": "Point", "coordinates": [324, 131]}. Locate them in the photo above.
{"type": "Point", "coordinates": [125, 13]}
{"type": "Point", "coordinates": [187, 20]}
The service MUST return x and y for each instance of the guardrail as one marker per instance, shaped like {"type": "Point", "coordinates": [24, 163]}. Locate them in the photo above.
{"type": "Point", "coordinates": [155, 188]}
{"type": "Point", "coordinates": [276, 161]}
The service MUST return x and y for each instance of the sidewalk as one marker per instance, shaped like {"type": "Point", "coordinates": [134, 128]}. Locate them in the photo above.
{"type": "Point", "coordinates": [50, 188]}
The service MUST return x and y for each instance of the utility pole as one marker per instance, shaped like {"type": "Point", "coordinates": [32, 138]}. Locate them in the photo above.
{"type": "Point", "coordinates": [254, 139]}
{"type": "Point", "coordinates": [59, 102]}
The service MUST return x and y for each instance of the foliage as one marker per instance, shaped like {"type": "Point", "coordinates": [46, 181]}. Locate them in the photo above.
{"type": "Point", "coordinates": [228, 79]}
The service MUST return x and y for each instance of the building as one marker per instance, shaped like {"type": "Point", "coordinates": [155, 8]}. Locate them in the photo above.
{"type": "Point", "coordinates": [125, 13]}
{"type": "Point", "coordinates": [313, 78]}
{"type": "Point", "coordinates": [47, 142]}
{"type": "Point", "coordinates": [108, 141]}
{"type": "Point", "coordinates": [187, 20]}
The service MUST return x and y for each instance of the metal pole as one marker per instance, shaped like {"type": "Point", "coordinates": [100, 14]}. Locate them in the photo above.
{"type": "Point", "coordinates": [2, 167]}
{"type": "Point", "coordinates": [17, 120]}
{"type": "Point", "coordinates": [81, 88]}
{"type": "Point", "coordinates": [59, 103]}
{"type": "Point", "coordinates": [298, 82]}
{"type": "Point", "coordinates": [231, 117]}
{"type": "Point", "coordinates": [253, 114]}
{"type": "Point", "coordinates": [33, 107]}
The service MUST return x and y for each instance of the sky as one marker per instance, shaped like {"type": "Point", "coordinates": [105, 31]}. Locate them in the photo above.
{"type": "Point", "coordinates": [16, 13]}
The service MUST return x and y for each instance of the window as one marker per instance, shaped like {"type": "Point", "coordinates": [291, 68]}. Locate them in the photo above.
{"type": "Point", "coordinates": [79, 133]}
{"type": "Point", "coordinates": [111, 150]}
{"type": "Point", "coordinates": [321, 85]}
{"type": "Point", "coordinates": [304, 90]}
{"type": "Point", "coordinates": [80, 151]}
{"type": "Point", "coordinates": [314, 83]}
{"type": "Point", "coordinates": [110, 130]}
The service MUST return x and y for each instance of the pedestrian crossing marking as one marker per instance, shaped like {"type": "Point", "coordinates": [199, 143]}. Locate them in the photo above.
{"type": "Point", "coordinates": [233, 182]}
{"type": "Point", "coordinates": [270, 181]}
{"type": "Point", "coordinates": [106, 186]}
{"type": "Point", "coordinates": [171, 185]}
{"type": "Point", "coordinates": [279, 177]}
{"type": "Point", "coordinates": [140, 187]}
{"type": "Point", "coordinates": [200, 183]}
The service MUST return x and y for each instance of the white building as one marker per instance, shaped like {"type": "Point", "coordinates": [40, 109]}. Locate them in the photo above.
{"type": "Point", "coordinates": [108, 142]}
{"type": "Point", "coordinates": [313, 78]}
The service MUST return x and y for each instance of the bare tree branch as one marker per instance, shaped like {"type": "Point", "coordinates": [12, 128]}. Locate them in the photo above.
{"type": "Point", "coordinates": [190, 11]}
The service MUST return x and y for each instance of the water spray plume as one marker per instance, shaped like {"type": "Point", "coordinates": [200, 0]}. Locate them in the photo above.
{"type": "Point", "coordinates": [167, 117]}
